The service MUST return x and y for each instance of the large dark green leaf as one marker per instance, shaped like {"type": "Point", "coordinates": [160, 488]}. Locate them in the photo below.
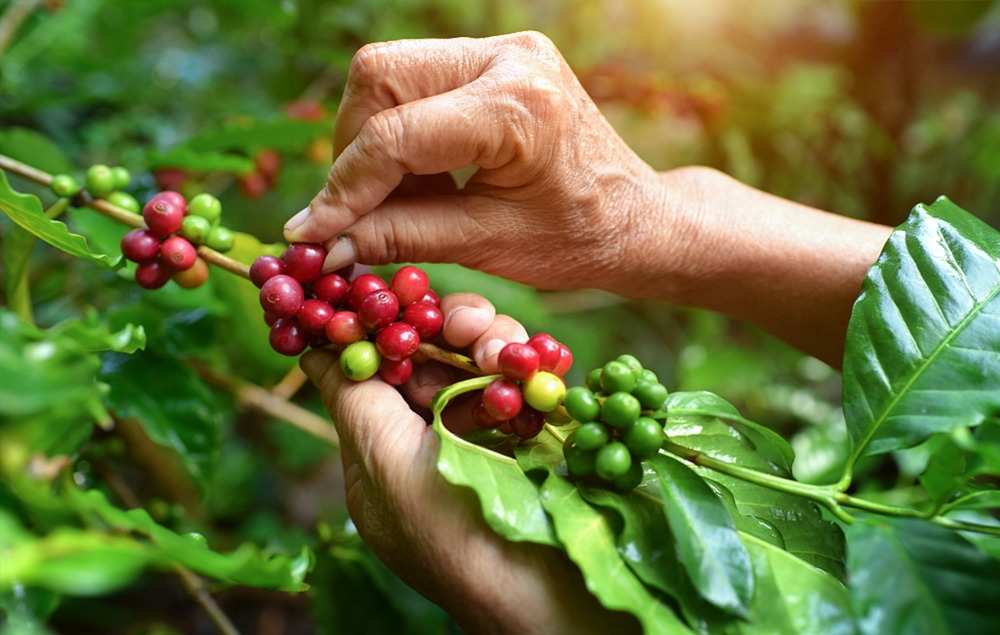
{"type": "Point", "coordinates": [509, 500]}
{"type": "Point", "coordinates": [174, 407]}
{"type": "Point", "coordinates": [923, 345]}
{"type": "Point", "coordinates": [706, 539]}
{"type": "Point", "coordinates": [26, 211]}
{"type": "Point", "coordinates": [35, 149]}
{"type": "Point", "coordinates": [785, 520]}
{"type": "Point", "coordinates": [911, 577]}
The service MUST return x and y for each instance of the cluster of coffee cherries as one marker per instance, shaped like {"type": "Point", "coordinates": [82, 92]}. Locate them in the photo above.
{"type": "Point", "coordinates": [381, 325]}
{"type": "Point", "coordinates": [166, 249]}
{"type": "Point", "coordinates": [100, 181]}
{"type": "Point", "coordinates": [531, 387]}
{"type": "Point", "coordinates": [617, 431]}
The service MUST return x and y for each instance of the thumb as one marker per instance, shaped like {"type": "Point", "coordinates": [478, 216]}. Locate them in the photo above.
{"type": "Point", "coordinates": [417, 229]}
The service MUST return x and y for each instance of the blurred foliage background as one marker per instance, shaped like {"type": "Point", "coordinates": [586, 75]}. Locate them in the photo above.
{"type": "Point", "coordinates": [860, 108]}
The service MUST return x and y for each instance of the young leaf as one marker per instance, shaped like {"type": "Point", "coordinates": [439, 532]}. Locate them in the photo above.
{"type": "Point", "coordinates": [923, 344]}
{"type": "Point", "coordinates": [707, 543]}
{"type": "Point", "coordinates": [908, 576]}
{"type": "Point", "coordinates": [510, 501]}
{"type": "Point", "coordinates": [26, 211]}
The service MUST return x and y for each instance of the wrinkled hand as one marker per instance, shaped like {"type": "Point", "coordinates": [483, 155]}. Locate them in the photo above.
{"type": "Point", "coordinates": [559, 201]}
{"type": "Point", "coordinates": [429, 532]}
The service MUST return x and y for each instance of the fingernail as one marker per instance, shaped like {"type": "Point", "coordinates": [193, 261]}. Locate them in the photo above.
{"type": "Point", "coordinates": [493, 348]}
{"type": "Point", "coordinates": [316, 362]}
{"type": "Point", "coordinates": [294, 222]}
{"type": "Point", "coordinates": [340, 255]}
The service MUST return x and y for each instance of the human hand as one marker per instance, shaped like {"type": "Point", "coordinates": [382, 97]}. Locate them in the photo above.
{"type": "Point", "coordinates": [430, 532]}
{"type": "Point", "coordinates": [559, 201]}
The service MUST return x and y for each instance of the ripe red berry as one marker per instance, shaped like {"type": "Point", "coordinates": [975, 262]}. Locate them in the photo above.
{"type": "Point", "coordinates": [174, 198]}
{"type": "Point", "coordinates": [330, 288]}
{"type": "Point", "coordinates": [270, 318]}
{"type": "Point", "coordinates": [528, 423]}
{"type": "Point", "coordinates": [395, 372]}
{"type": "Point", "coordinates": [483, 418]}
{"type": "Point", "coordinates": [288, 337]}
{"type": "Point", "coordinates": [410, 285]}
{"type": "Point", "coordinates": [565, 361]}
{"type": "Point", "coordinates": [426, 318]}
{"type": "Point", "coordinates": [162, 216]}
{"type": "Point", "coordinates": [178, 253]}
{"type": "Point", "coordinates": [518, 361]}
{"type": "Point", "coordinates": [314, 315]}
{"type": "Point", "coordinates": [431, 298]}
{"type": "Point", "coordinates": [282, 296]}
{"type": "Point", "coordinates": [378, 310]}
{"type": "Point", "coordinates": [344, 328]}
{"type": "Point", "coordinates": [397, 341]}
{"type": "Point", "coordinates": [152, 275]}
{"type": "Point", "coordinates": [194, 276]}
{"type": "Point", "coordinates": [264, 268]}
{"type": "Point", "coordinates": [549, 351]}
{"type": "Point", "coordinates": [140, 245]}
{"type": "Point", "coordinates": [269, 164]}
{"type": "Point", "coordinates": [254, 185]}
{"type": "Point", "coordinates": [361, 286]}
{"type": "Point", "coordinates": [304, 261]}
{"type": "Point", "coordinates": [502, 399]}
{"type": "Point", "coordinates": [170, 178]}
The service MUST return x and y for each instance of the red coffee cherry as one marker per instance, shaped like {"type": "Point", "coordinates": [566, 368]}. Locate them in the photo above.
{"type": "Point", "coordinates": [549, 351]}
{"type": "Point", "coordinates": [518, 361]}
{"type": "Point", "coordinates": [344, 328]}
{"type": "Point", "coordinates": [140, 245]}
{"type": "Point", "coordinates": [361, 286]}
{"type": "Point", "coordinates": [502, 399]}
{"type": "Point", "coordinates": [431, 298]}
{"type": "Point", "coordinates": [410, 285]}
{"type": "Point", "coordinates": [397, 341]}
{"type": "Point", "coordinates": [162, 216]}
{"type": "Point", "coordinates": [314, 315]}
{"type": "Point", "coordinates": [528, 423]}
{"type": "Point", "coordinates": [194, 276]}
{"type": "Point", "coordinates": [174, 198]}
{"type": "Point", "coordinates": [565, 361]}
{"type": "Point", "coordinates": [270, 318]}
{"type": "Point", "coordinates": [288, 337]}
{"type": "Point", "coordinates": [304, 261]}
{"type": "Point", "coordinates": [396, 372]}
{"type": "Point", "coordinates": [178, 253]}
{"type": "Point", "coordinates": [269, 164]}
{"type": "Point", "coordinates": [282, 296]}
{"type": "Point", "coordinates": [330, 288]}
{"type": "Point", "coordinates": [378, 310]}
{"type": "Point", "coordinates": [152, 275]}
{"type": "Point", "coordinates": [483, 418]}
{"type": "Point", "coordinates": [264, 268]}
{"type": "Point", "coordinates": [426, 318]}
{"type": "Point", "coordinates": [254, 185]}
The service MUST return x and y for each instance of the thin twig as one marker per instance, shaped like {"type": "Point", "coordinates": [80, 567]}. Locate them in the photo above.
{"type": "Point", "coordinates": [12, 20]}
{"type": "Point", "coordinates": [290, 383]}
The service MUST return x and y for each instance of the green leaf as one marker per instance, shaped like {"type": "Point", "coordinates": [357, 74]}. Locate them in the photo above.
{"type": "Point", "coordinates": [923, 344]}
{"type": "Point", "coordinates": [510, 501]}
{"type": "Point", "coordinates": [185, 157]}
{"type": "Point", "coordinates": [794, 598]}
{"type": "Point", "coordinates": [26, 211]}
{"type": "Point", "coordinates": [909, 576]}
{"type": "Point", "coordinates": [947, 470]}
{"type": "Point", "coordinates": [17, 245]}
{"type": "Point", "coordinates": [706, 539]}
{"type": "Point", "coordinates": [245, 565]}
{"type": "Point", "coordinates": [249, 136]}
{"type": "Point", "coordinates": [787, 521]}
{"type": "Point", "coordinates": [35, 149]}
{"type": "Point", "coordinates": [174, 407]}
{"type": "Point", "coordinates": [589, 540]}
{"type": "Point", "coordinates": [90, 335]}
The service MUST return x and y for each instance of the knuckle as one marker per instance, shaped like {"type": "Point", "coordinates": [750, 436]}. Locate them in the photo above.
{"type": "Point", "coordinates": [368, 64]}
{"type": "Point", "coordinates": [383, 135]}
{"type": "Point", "coordinates": [535, 43]}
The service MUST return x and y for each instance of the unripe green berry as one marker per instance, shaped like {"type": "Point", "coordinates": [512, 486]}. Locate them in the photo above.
{"type": "Point", "coordinates": [591, 436]}
{"type": "Point", "coordinates": [581, 404]}
{"type": "Point", "coordinates": [544, 391]}
{"type": "Point", "coordinates": [124, 201]}
{"type": "Point", "coordinates": [121, 177]}
{"type": "Point", "coordinates": [648, 375]}
{"type": "Point", "coordinates": [64, 185]}
{"type": "Point", "coordinates": [620, 410]}
{"type": "Point", "coordinates": [645, 437]}
{"type": "Point", "coordinates": [650, 394]}
{"type": "Point", "coordinates": [633, 363]}
{"type": "Point", "coordinates": [206, 206]}
{"type": "Point", "coordinates": [196, 229]}
{"type": "Point", "coordinates": [99, 181]}
{"type": "Point", "coordinates": [631, 479]}
{"type": "Point", "coordinates": [360, 360]}
{"type": "Point", "coordinates": [579, 462]}
{"type": "Point", "coordinates": [613, 460]}
{"type": "Point", "coordinates": [617, 377]}
{"type": "Point", "coordinates": [220, 239]}
{"type": "Point", "coordinates": [594, 380]}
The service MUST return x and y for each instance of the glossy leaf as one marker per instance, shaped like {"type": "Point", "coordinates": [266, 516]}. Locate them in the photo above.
{"type": "Point", "coordinates": [26, 211]}
{"type": "Point", "coordinates": [706, 539]}
{"type": "Point", "coordinates": [923, 345]}
{"type": "Point", "coordinates": [909, 576]}
{"type": "Point", "coordinates": [245, 565]}
{"type": "Point", "coordinates": [509, 500]}
{"type": "Point", "coordinates": [90, 335]}
{"type": "Point", "coordinates": [174, 407]}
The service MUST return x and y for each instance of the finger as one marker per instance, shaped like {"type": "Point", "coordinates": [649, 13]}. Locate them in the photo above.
{"type": "Point", "coordinates": [427, 379]}
{"type": "Point", "coordinates": [385, 74]}
{"type": "Point", "coordinates": [502, 331]}
{"type": "Point", "coordinates": [466, 317]}
{"type": "Point", "coordinates": [430, 136]}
